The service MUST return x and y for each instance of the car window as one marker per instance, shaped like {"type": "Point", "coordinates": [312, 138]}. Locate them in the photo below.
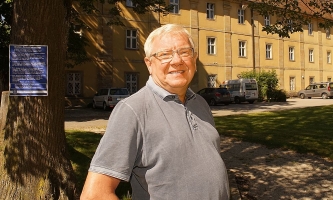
{"type": "Point", "coordinates": [210, 90]}
{"type": "Point", "coordinates": [103, 92]}
{"type": "Point", "coordinates": [315, 87]}
{"type": "Point", "coordinates": [331, 85]}
{"type": "Point", "coordinates": [309, 87]}
{"type": "Point", "coordinates": [123, 91]}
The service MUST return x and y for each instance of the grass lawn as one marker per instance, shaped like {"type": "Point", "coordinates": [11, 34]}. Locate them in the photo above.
{"type": "Point", "coordinates": [305, 130]}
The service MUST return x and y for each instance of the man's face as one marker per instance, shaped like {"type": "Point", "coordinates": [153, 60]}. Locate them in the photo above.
{"type": "Point", "coordinates": [176, 75]}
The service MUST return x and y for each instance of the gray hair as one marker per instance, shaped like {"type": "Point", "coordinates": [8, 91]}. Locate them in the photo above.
{"type": "Point", "coordinates": [162, 31]}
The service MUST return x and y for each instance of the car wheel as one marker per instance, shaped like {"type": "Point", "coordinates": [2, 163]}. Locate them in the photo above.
{"type": "Point", "coordinates": [94, 105]}
{"type": "Point", "coordinates": [104, 106]}
{"type": "Point", "coordinates": [302, 96]}
{"type": "Point", "coordinates": [324, 96]}
{"type": "Point", "coordinates": [212, 102]}
{"type": "Point", "coordinates": [251, 102]}
{"type": "Point", "coordinates": [237, 100]}
{"type": "Point", "coordinates": [226, 104]}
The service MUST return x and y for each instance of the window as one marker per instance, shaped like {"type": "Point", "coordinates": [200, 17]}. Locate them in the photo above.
{"type": "Point", "coordinates": [132, 82]}
{"type": "Point", "coordinates": [129, 3]}
{"type": "Point", "coordinates": [267, 20]}
{"type": "Point", "coordinates": [212, 81]}
{"type": "Point", "coordinates": [175, 4]}
{"type": "Point", "coordinates": [73, 85]}
{"type": "Point", "coordinates": [211, 46]}
{"type": "Point", "coordinates": [311, 59]}
{"type": "Point", "coordinates": [268, 51]}
{"type": "Point", "coordinates": [329, 79]}
{"type": "Point", "coordinates": [291, 54]}
{"type": "Point", "coordinates": [131, 39]}
{"type": "Point", "coordinates": [240, 16]}
{"type": "Point", "coordinates": [328, 33]}
{"type": "Point", "coordinates": [290, 25]}
{"type": "Point", "coordinates": [242, 48]}
{"type": "Point", "coordinates": [329, 57]}
{"type": "Point", "coordinates": [292, 83]}
{"type": "Point", "coordinates": [310, 29]}
{"type": "Point", "coordinates": [311, 79]}
{"type": "Point", "coordinates": [210, 11]}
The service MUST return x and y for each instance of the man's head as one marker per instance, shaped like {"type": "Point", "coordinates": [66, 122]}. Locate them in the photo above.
{"type": "Point", "coordinates": [170, 58]}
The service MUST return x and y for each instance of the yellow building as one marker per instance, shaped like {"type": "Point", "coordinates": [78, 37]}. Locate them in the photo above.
{"type": "Point", "coordinates": [226, 41]}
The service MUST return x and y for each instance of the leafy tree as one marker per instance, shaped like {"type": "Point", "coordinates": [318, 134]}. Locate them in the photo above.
{"type": "Point", "coordinates": [5, 20]}
{"type": "Point", "coordinates": [292, 15]}
{"type": "Point", "coordinates": [33, 153]}
{"type": "Point", "coordinates": [268, 84]}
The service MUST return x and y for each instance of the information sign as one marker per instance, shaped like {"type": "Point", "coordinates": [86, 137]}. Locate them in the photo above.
{"type": "Point", "coordinates": [28, 70]}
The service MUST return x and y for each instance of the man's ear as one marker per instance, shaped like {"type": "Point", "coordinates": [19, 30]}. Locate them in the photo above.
{"type": "Point", "coordinates": [148, 64]}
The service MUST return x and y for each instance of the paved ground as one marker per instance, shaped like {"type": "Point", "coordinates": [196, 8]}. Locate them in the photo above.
{"type": "Point", "coordinates": [255, 171]}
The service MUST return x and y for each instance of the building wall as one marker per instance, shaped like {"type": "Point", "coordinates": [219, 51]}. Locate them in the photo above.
{"type": "Point", "coordinates": [111, 61]}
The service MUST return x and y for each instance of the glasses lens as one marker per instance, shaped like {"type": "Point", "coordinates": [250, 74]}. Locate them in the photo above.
{"type": "Point", "coordinates": [185, 52]}
{"type": "Point", "coordinates": [164, 55]}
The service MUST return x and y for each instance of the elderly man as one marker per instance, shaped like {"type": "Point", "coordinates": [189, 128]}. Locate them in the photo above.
{"type": "Point", "coordinates": [163, 138]}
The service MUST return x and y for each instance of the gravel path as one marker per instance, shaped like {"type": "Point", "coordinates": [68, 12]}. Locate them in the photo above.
{"type": "Point", "coordinates": [256, 173]}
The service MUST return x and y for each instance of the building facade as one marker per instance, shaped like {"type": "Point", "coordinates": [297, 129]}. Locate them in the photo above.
{"type": "Point", "coordinates": [227, 40]}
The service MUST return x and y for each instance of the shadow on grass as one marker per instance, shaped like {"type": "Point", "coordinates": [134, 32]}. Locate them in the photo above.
{"type": "Point", "coordinates": [82, 146]}
{"type": "Point", "coordinates": [306, 130]}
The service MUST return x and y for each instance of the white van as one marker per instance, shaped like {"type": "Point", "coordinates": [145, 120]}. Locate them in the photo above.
{"type": "Point", "coordinates": [242, 90]}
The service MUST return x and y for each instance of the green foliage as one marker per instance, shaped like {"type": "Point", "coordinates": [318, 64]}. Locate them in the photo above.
{"type": "Point", "coordinates": [82, 146]}
{"type": "Point", "coordinates": [304, 130]}
{"type": "Point", "coordinates": [5, 20]}
{"type": "Point", "coordinates": [267, 85]}
{"type": "Point", "coordinates": [293, 15]}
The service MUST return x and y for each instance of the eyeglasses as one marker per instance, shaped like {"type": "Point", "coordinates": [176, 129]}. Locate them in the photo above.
{"type": "Point", "coordinates": [167, 55]}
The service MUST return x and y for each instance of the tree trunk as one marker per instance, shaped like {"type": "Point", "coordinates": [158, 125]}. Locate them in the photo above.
{"type": "Point", "coordinates": [33, 154]}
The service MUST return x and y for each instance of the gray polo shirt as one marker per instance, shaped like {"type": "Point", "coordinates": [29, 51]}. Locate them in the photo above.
{"type": "Point", "coordinates": [166, 149]}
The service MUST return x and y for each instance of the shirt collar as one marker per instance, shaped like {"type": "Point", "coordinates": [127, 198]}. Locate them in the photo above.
{"type": "Point", "coordinates": [165, 95]}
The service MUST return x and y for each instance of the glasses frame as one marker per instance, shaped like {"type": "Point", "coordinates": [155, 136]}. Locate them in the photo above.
{"type": "Point", "coordinates": [173, 54]}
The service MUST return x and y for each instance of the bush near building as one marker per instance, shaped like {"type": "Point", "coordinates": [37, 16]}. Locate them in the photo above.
{"type": "Point", "coordinates": [268, 85]}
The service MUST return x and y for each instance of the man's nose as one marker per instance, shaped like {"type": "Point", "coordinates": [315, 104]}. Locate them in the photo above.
{"type": "Point", "coordinates": [176, 58]}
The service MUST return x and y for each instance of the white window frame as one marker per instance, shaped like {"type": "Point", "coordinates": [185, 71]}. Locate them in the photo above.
{"type": "Point", "coordinates": [211, 45]}
{"type": "Point", "coordinates": [132, 82]}
{"type": "Point", "coordinates": [212, 80]}
{"type": "Point", "coordinates": [175, 4]}
{"type": "Point", "coordinates": [329, 57]}
{"type": "Point", "coordinates": [242, 48]}
{"type": "Point", "coordinates": [269, 53]}
{"type": "Point", "coordinates": [210, 11]}
{"type": "Point", "coordinates": [129, 3]}
{"type": "Point", "coordinates": [328, 33]}
{"type": "Point", "coordinates": [310, 29]}
{"type": "Point", "coordinates": [132, 39]}
{"type": "Point", "coordinates": [290, 24]}
{"type": "Point", "coordinates": [311, 55]}
{"type": "Point", "coordinates": [267, 20]}
{"type": "Point", "coordinates": [291, 53]}
{"type": "Point", "coordinates": [241, 18]}
{"type": "Point", "coordinates": [292, 82]}
{"type": "Point", "coordinates": [75, 80]}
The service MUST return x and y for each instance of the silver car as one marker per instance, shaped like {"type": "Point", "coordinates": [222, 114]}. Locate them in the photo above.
{"type": "Point", "coordinates": [321, 89]}
{"type": "Point", "coordinates": [107, 98]}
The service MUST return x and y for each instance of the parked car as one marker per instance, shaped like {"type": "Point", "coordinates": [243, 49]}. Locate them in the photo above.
{"type": "Point", "coordinates": [215, 96]}
{"type": "Point", "coordinates": [321, 89]}
{"type": "Point", "coordinates": [107, 98]}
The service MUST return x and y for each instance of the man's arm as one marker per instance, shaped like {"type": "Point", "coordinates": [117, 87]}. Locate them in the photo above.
{"type": "Point", "coordinates": [99, 186]}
